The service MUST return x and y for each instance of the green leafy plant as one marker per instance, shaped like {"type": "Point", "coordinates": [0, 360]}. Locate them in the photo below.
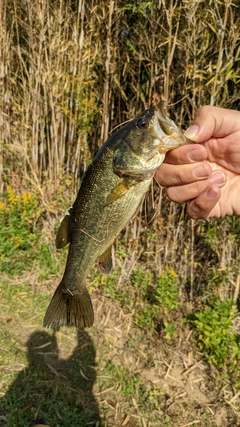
{"type": "Point", "coordinates": [213, 327]}
{"type": "Point", "coordinates": [169, 330]}
{"type": "Point", "coordinates": [141, 279]}
{"type": "Point", "coordinates": [18, 215]}
{"type": "Point", "coordinates": [167, 289]}
{"type": "Point", "coordinates": [145, 316]}
{"type": "Point", "coordinates": [23, 243]}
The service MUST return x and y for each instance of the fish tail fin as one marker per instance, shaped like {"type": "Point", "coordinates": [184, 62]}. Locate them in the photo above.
{"type": "Point", "coordinates": [68, 309]}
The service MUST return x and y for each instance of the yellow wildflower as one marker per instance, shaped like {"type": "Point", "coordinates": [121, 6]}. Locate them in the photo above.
{"type": "Point", "coordinates": [24, 198]}
{"type": "Point", "coordinates": [11, 196]}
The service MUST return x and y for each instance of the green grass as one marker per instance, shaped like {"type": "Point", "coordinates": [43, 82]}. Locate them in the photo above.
{"type": "Point", "coordinates": [128, 383]}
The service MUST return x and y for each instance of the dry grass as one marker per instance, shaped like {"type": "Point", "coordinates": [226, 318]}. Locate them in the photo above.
{"type": "Point", "coordinates": [71, 72]}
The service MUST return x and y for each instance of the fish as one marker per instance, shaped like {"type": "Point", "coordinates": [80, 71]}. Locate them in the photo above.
{"type": "Point", "coordinates": [110, 194]}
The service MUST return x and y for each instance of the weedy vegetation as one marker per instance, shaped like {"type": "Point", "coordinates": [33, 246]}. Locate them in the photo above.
{"type": "Point", "coordinates": [165, 347]}
{"type": "Point", "coordinates": [215, 335]}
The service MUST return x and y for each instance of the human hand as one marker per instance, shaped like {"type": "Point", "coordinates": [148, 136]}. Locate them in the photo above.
{"type": "Point", "coordinates": [206, 174]}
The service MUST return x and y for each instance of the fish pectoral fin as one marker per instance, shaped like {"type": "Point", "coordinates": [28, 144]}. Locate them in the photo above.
{"type": "Point", "coordinates": [63, 234]}
{"type": "Point", "coordinates": [105, 261]}
{"type": "Point", "coordinates": [120, 190]}
{"type": "Point", "coordinates": [67, 309]}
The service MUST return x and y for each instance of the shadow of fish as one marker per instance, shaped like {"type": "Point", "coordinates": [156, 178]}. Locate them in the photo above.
{"type": "Point", "coordinates": [110, 194]}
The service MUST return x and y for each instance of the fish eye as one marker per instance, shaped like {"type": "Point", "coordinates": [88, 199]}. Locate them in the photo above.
{"type": "Point", "coordinates": [141, 123]}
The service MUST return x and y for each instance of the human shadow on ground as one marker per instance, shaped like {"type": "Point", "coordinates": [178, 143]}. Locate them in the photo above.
{"type": "Point", "coordinates": [51, 391]}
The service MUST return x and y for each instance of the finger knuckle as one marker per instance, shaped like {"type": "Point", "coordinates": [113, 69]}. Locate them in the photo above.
{"type": "Point", "coordinates": [197, 210]}
{"type": "Point", "coordinates": [205, 109]}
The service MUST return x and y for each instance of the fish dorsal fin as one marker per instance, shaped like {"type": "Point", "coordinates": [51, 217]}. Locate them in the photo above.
{"type": "Point", "coordinates": [105, 261]}
{"type": "Point", "coordinates": [120, 190]}
{"type": "Point", "coordinates": [63, 234]}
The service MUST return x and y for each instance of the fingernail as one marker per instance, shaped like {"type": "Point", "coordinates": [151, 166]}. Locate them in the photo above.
{"type": "Point", "coordinates": [212, 192]}
{"type": "Point", "coordinates": [201, 172]}
{"type": "Point", "coordinates": [218, 178]}
{"type": "Point", "coordinates": [196, 155]}
{"type": "Point", "coordinates": [191, 131]}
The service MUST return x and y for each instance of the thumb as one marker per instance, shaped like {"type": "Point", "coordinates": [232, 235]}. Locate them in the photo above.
{"type": "Point", "coordinates": [212, 122]}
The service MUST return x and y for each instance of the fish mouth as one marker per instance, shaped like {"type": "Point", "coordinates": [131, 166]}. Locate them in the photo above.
{"type": "Point", "coordinates": [171, 135]}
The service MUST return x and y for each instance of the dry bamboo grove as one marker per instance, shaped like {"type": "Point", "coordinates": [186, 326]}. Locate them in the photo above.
{"type": "Point", "coordinates": [71, 71]}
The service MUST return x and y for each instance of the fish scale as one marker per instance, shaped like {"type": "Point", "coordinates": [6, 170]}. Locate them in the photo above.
{"type": "Point", "coordinates": [93, 233]}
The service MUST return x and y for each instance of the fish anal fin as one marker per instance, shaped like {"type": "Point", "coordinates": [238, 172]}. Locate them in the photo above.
{"type": "Point", "coordinates": [63, 234]}
{"type": "Point", "coordinates": [67, 309]}
{"type": "Point", "coordinates": [105, 261]}
{"type": "Point", "coordinates": [120, 190]}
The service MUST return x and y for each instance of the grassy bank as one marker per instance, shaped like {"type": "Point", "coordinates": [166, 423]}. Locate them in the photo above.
{"type": "Point", "coordinates": [152, 358]}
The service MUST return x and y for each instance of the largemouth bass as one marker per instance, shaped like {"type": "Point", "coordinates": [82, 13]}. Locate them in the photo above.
{"type": "Point", "coordinates": [110, 194]}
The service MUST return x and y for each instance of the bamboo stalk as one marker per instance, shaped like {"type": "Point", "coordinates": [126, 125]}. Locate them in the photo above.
{"type": "Point", "coordinates": [107, 84]}
{"type": "Point", "coordinates": [4, 91]}
{"type": "Point", "coordinates": [222, 31]}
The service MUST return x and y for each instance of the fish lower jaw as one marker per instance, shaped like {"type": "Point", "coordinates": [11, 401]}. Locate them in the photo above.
{"type": "Point", "coordinates": [170, 145]}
